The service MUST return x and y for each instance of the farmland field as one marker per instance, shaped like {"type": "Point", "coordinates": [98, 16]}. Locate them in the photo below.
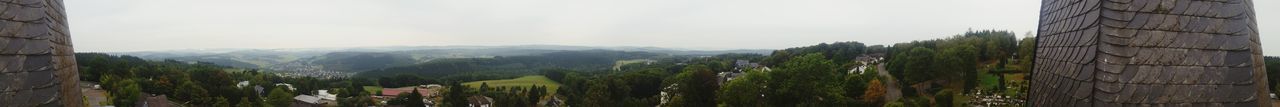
{"type": "Point", "coordinates": [525, 81]}
{"type": "Point", "coordinates": [373, 89]}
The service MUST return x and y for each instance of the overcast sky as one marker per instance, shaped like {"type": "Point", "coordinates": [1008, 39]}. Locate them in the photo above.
{"type": "Point", "coordinates": [142, 25]}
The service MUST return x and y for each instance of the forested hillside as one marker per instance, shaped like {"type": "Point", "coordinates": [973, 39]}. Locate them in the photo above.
{"type": "Point", "coordinates": [962, 64]}
{"type": "Point", "coordinates": [360, 61]}
{"type": "Point", "coordinates": [128, 79]}
{"type": "Point", "coordinates": [841, 53]}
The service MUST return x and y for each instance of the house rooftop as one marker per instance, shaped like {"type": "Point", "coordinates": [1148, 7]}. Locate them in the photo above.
{"type": "Point", "coordinates": [308, 99]}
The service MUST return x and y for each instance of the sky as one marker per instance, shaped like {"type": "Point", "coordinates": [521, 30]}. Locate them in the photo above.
{"type": "Point", "coordinates": [150, 25]}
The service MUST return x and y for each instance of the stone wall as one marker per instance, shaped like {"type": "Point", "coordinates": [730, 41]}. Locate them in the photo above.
{"type": "Point", "coordinates": [1148, 52]}
{"type": "Point", "coordinates": [37, 66]}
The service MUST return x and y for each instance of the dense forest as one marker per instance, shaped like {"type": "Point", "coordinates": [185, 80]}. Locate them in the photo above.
{"type": "Point", "coordinates": [1273, 72]}
{"type": "Point", "coordinates": [361, 61]}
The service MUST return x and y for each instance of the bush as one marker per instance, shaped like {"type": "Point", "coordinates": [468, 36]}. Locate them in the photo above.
{"type": "Point", "coordinates": [945, 98]}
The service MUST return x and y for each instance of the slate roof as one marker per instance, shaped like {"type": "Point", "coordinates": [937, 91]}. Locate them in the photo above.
{"type": "Point", "coordinates": [1148, 52]}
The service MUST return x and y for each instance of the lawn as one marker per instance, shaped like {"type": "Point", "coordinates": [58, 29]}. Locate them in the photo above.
{"type": "Point", "coordinates": [373, 89]}
{"type": "Point", "coordinates": [525, 81]}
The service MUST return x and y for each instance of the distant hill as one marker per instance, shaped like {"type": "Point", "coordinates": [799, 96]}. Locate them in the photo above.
{"type": "Point", "coordinates": [588, 60]}
{"type": "Point", "coordinates": [370, 58]}
{"type": "Point", "coordinates": [245, 58]}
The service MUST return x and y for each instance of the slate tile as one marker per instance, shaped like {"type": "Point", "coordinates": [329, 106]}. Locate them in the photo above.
{"type": "Point", "coordinates": [1240, 76]}
{"type": "Point", "coordinates": [1238, 58]}
{"type": "Point", "coordinates": [1180, 6]}
{"type": "Point", "coordinates": [1119, 51]}
{"type": "Point", "coordinates": [1114, 23]}
{"type": "Point", "coordinates": [13, 46]}
{"type": "Point", "coordinates": [47, 95]}
{"type": "Point", "coordinates": [38, 79]}
{"type": "Point", "coordinates": [11, 81]}
{"type": "Point", "coordinates": [1083, 91]}
{"type": "Point", "coordinates": [1129, 73]}
{"type": "Point", "coordinates": [37, 63]}
{"type": "Point", "coordinates": [1154, 21]}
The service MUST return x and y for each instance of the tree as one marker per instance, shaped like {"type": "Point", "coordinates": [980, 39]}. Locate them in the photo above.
{"type": "Point", "coordinates": [410, 99]}
{"type": "Point", "coordinates": [919, 65]}
{"type": "Point", "coordinates": [160, 85]}
{"type": "Point", "coordinates": [1272, 64]}
{"type": "Point", "coordinates": [244, 102]}
{"type": "Point", "coordinates": [598, 95]}
{"type": "Point", "coordinates": [875, 92]}
{"type": "Point", "coordinates": [961, 63]}
{"type": "Point", "coordinates": [456, 96]}
{"type": "Point", "coordinates": [696, 87]}
{"type": "Point", "coordinates": [253, 96]}
{"type": "Point", "coordinates": [809, 80]}
{"type": "Point", "coordinates": [221, 102]}
{"type": "Point", "coordinates": [191, 93]}
{"type": "Point", "coordinates": [856, 84]}
{"type": "Point", "coordinates": [1026, 52]}
{"type": "Point", "coordinates": [877, 49]}
{"type": "Point", "coordinates": [895, 104]}
{"type": "Point", "coordinates": [361, 100]}
{"type": "Point", "coordinates": [128, 94]}
{"type": "Point", "coordinates": [279, 98]}
{"type": "Point", "coordinates": [745, 91]}
{"type": "Point", "coordinates": [535, 93]}
{"type": "Point", "coordinates": [945, 98]}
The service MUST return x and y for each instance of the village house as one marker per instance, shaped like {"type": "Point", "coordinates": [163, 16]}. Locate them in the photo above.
{"type": "Point", "coordinates": [325, 95]}
{"type": "Point", "coordinates": [555, 101]}
{"type": "Point", "coordinates": [307, 101]}
{"type": "Point", "coordinates": [155, 101]}
{"type": "Point", "coordinates": [866, 61]}
{"type": "Point", "coordinates": [480, 101]}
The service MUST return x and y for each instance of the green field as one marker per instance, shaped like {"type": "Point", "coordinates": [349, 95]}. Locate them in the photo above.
{"type": "Point", "coordinates": [375, 90]}
{"type": "Point", "coordinates": [525, 81]}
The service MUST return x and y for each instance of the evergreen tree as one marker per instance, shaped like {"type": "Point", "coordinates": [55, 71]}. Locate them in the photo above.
{"type": "Point", "coordinates": [456, 96]}
{"type": "Point", "coordinates": [414, 99]}
{"type": "Point", "coordinates": [484, 87]}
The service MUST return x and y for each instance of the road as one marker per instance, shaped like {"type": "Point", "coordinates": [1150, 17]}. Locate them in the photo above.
{"type": "Point", "coordinates": [893, 92]}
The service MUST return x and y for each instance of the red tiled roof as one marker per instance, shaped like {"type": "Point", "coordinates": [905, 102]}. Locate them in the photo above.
{"type": "Point", "coordinates": [397, 91]}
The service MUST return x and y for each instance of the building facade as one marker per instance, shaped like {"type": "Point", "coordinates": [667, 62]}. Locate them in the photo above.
{"type": "Point", "coordinates": [37, 64]}
{"type": "Point", "coordinates": [1148, 53]}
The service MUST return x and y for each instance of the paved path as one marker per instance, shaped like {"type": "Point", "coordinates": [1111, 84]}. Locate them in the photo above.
{"type": "Point", "coordinates": [93, 97]}
{"type": "Point", "coordinates": [892, 90]}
